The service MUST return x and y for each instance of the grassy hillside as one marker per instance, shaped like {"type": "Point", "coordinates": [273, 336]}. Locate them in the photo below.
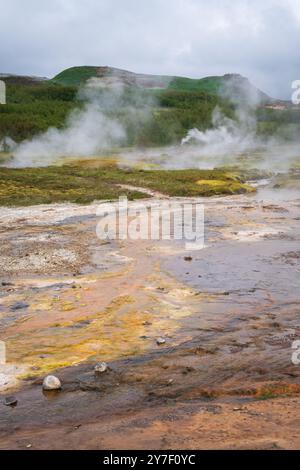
{"type": "Point", "coordinates": [208, 84]}
{"type": "Point", "coordinates": [75, 76]}
{"type": "Point", "coordinates": [83, 184]}
{"type": "Point", "coordinates": [34, 105]}
{"type": "Point", "coordinates": [33, 108]}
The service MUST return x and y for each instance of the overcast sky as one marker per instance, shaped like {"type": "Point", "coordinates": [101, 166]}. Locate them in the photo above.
{"type": "Point", "coordinates": [257, 38]}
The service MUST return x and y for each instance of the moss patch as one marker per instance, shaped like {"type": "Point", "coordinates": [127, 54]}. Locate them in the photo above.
{"type": "Point", "coordinates": [277, 390]}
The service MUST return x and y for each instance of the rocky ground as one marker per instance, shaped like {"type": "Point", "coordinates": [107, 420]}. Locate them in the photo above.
{"type": "Point", "coordinates": [228, 314]}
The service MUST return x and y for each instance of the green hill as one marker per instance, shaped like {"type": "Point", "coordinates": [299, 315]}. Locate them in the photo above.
{"type": "Point", "coordinates": [76, 76]}
{"type": "Point", "coordinates": [34, 104]}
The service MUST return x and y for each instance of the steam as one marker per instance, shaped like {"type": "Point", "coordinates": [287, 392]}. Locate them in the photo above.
{"type": "Point", "coordinates": [109, 110]}
{"type": "Point", "coordinates": [89, 130]}
{"type": "Point", "coordinates": [7, 144]}
{"type": "Point", "coordinates": [86, 132]}
{"type": "Point", "coordinates": [226, 137]}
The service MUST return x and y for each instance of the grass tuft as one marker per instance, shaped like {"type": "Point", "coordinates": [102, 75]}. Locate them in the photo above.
{"type": "Point", "coordinates": [80, 184]}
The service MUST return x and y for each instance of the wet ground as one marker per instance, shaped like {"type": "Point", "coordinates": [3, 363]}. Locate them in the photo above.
{"type": "Point", "coordinates": [228, 314]}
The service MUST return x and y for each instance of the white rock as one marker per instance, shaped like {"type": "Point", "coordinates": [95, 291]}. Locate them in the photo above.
{"type": "Point", "coordinates": [51, 383]}
{"type": "Point", "coordinates": [160, 341]}
{"type": "Point", "coordinates": [101, 367]}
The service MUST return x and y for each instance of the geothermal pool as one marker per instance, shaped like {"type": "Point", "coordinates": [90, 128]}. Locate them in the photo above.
{"type": "Point", "coordinates": [228, 313]}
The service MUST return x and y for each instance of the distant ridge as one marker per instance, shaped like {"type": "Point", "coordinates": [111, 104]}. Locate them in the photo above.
{"type": "Point", "coordinates": [78, 75]}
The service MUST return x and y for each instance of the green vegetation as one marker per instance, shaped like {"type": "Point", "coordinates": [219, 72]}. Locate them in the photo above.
{"type": "Point", "coordinates": [83, 182]}
{"type": "Point", "coordinates": [175, 114]}
{"type": "Point", "coordinates": [32, 109]}
{"type": "Point", "coordinates": [276, 390]}
{"type": "Point", "coordinates": [75, 75]}
{"type": "Point", "coordinates": [285, 123]}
